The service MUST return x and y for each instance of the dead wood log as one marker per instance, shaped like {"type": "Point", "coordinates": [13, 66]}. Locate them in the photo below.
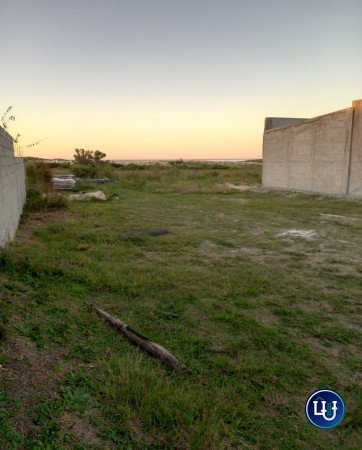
{"type": "Point", "coordinates": [150, 347]}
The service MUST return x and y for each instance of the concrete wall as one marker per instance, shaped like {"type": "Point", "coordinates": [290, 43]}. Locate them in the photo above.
{"type": "Point", "coordinates": [12, 188]}
{"type": "Point", "coordinates": [320, 155]}
{"type": "Point", "coordinates": [355, 175]}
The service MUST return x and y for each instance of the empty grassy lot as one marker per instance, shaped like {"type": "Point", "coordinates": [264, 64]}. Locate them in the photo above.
{"type": "Point", "coordinates": [258, 294]}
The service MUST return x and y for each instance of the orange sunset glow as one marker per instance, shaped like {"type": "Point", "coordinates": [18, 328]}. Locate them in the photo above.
{"type": "Point", "coordinates": [165, 80]}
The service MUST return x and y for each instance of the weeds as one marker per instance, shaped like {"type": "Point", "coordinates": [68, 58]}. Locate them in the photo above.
{"type": "Point", "coordinates": [101, 170]}
{"type": "Point", "coordinates": [39, 194]}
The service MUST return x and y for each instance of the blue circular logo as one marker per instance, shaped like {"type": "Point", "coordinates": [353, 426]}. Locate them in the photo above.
{"type": "Point", "coordinates": [325, 409]}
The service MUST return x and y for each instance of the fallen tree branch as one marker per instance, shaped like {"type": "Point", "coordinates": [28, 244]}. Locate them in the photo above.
{"type": "Point", "coordinates": [150, 347]}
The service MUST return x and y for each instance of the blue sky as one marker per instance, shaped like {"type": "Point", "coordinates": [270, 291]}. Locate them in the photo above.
{"type": "Point", "coordinates": [169, 79]}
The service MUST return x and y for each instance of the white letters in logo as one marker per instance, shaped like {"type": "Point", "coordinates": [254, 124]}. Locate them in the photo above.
{"type": "Point", "coordinates": [323, 410]}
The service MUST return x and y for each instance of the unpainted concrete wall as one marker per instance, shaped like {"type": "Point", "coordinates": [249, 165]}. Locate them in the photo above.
{"type": "Point", "coordinates": [12, 188]}
{"type": "Point", "coordinates": [320, 155]}
{"type": "Point", "coordinates": [355, 175]}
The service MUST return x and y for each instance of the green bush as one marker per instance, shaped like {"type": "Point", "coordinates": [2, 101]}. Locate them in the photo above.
{"type": "Point", "coordinates": [82, 171]}
{"type": "Point", "coordinates": [39, 175]}
{"type": "Point", "coordinates": [40, 201]}
{"type": "Point", "coordinates": [39, 190]}
{"type": "Point", "coordinates": [60, 165]}
{"type": "Point", "coordinates": [101, 170]}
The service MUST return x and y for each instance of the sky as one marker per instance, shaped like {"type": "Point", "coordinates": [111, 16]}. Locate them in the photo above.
{"type": "Point", "coordinates": [169, 79]}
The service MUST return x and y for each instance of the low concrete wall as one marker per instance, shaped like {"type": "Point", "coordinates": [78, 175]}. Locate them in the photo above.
{"type": "Point", "coordinates": [12, 188]}
{"type": "Point", "coordinates": [320, 155]}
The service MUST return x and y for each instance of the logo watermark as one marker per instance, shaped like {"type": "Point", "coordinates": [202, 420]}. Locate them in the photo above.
{"type": "Point", "coordinates": [325, 409]}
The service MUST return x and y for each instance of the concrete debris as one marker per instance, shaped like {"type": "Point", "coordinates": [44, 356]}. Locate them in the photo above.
{"type": "Point", "coordinates": [83, 197]}
{"type": "Point", "coordinates": [306, 234]}
{"type": "Point", "coordinates": [96, 180]}
{"type": "Point", "coordinates": [63, 177]}
{"type": "Point", "coordinates": [63, 183]}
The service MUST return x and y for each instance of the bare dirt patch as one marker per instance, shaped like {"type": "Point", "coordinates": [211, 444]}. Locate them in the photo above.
{"type": "Point", "coordinates": [355, 324]}
{"type": "Point", "coordinates": [256, 253]}
{"type": "Point", "coordinates": [80, 428]}
{"type": "Point", "coordinates": [213, 250]}
{"type": "Point", "coordinates": [136, 427]}
{"type": "Point", "coordinates": [315, 307]}
{"type": "Point", "coordinates": [335, 354]}
{"type": "Point", "coordinates": [316, 344]}
{"type": "Point", "coordinates": [28, 374]}
{"type": "Point", "coordinates": [242, 201]}
{"type": "Point", "coordinates": [337, 217]}
{"type": "Point", "coordinates": [266, 317]}
{"type": "Point", "coordinates": [210, 249]}
{"type": "Point", "coordinates": [24, 235]}
{"type": "Point", "coordinates": [344, 261]}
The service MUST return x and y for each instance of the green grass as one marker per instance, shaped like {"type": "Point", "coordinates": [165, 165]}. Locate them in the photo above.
{"type": "Point", "coordinates": [261, 320]}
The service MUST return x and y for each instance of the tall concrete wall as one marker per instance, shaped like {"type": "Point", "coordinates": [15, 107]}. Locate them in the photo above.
{"type": "Point", "coordinates": [355, 175]}
{"type": "Point", "coordinates": [12, 188]}
{"type": "Point", "coordinates": [320, 155]}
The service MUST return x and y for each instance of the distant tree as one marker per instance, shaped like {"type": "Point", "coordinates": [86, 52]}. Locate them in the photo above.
{"type": "Point", "coordinates": [82, 156]}
{"type": "Point", "coordinates": [88, 157]}
{"type": "Point", "coordinates": [98, 155]}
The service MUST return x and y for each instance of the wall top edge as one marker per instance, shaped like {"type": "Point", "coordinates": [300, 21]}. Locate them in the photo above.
{"type": "Point", "coordinates": [313, 119]}
{"type": "Point", "coordinates": [270, 125]}
{"type": "Point", "coordinates": [289, 118]}
{"type": "Point", "coordinates": [5, 134]}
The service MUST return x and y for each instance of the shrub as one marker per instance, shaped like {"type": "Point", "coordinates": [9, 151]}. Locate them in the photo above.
{"type": "Point", "coordinates": [103, 170]}
{"type": "Point", "coordinates": [60, 165]}
{"type": "Point", "coordinates": [39, 195]}
{"type": "Point", "coordinates": [39, 175]}
{"type": "Point", "coordinates": [82, 171]}
{"type": "Point", "coordinates": [40, 201]}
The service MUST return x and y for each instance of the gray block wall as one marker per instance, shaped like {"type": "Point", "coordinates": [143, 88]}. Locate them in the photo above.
{"type": "Point", "coordinates": [319, 155]}
{"type": "Point", "coordinates": [12, 188]}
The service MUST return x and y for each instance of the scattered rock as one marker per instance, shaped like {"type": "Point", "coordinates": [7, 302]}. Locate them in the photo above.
{"type": "Point", "coordinates": [240, 187]}
{"type": "Point", "coordinates": [96, 195]}
{"type": "Point", "coordinates": [237, 187]}
{"type": "Point", "coordinates": [96, 180]}
{"type": "Point", "coordinates": [63, 183]}
{"type": "Point", "coordinates": [306, 234]}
